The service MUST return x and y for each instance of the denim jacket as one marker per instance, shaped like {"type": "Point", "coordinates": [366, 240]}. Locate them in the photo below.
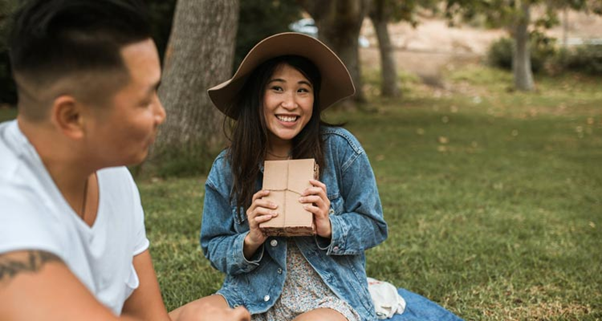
{"type": "Point", "coordinates": [357, 224]}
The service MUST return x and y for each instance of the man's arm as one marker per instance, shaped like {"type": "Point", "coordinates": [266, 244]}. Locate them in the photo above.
{"type": "Point", "coordinates": [37, 285]}
{"type": "Point", "coordinates": [146, 302]}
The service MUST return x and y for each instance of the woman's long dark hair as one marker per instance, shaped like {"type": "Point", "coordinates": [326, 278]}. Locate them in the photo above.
{"type": "Point", "coordinates": [249, 134]}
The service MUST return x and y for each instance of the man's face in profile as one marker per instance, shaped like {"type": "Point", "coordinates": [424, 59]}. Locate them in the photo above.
{"type": "Point", "coordinates": [125, 129]}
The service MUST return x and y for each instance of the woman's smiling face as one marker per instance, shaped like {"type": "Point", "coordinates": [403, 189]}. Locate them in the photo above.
{"type": "Point", "coordinates": [287, 104]}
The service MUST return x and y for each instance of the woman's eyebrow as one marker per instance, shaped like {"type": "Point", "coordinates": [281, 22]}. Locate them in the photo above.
{"type": "Point", "coordinates": [305, 82]}
{"type": "Point", "coordinates": [301, 82]}
{"type": "Point", "coordinates": [276, 80]}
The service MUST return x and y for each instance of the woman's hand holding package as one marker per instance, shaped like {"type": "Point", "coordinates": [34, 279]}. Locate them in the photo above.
{"type": "Point", "coordinates": [259, 212]}
{"type": "Point", "coordinates": [316, 201]}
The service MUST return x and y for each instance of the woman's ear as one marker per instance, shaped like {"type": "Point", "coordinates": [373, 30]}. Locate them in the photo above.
{"type": "Point", "coordinates": [67, 115]}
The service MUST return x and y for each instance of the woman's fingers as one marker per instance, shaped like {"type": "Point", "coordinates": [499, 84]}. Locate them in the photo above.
{"type": "Point", "coordinates": [261, 210]}
{"type": "Point", "coordinates": [260, 204]}
{"type": "Point", "coordinates": [312, 199]}
{"type": "Point", "coordinates": [317, 183]}
{"type": "Point", "coordinates": [265, 204]}
{"type": "Point", "coordinates": [264, 218]}
{"type": "Point", "coordinates": [315, 199]}
{"type": "Point", "coordinates": [260, 194]}
{"type": "Point", "coordinates": [314, 191]}
{"type": "Point", "coordinates": [312, 209]}
{"type": "Point", "coordinates": [264, 209]}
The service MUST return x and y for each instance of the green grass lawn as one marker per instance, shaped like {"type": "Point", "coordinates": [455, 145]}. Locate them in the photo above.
{"type": "Point", "coordinates": [493, 199]}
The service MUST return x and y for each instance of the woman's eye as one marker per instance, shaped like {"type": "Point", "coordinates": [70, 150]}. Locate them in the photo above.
{"type": "Point", "coordinates": [303, 90]}
{"type": "Point", "coordinates": [277, 88]}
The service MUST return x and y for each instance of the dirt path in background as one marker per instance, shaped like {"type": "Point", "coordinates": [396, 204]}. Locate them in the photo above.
{"type": "Point", "coordinates": [424, 50]}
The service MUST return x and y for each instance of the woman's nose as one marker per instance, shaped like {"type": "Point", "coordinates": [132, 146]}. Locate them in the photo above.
{"type": "Point", "coordinates": [289, 101]}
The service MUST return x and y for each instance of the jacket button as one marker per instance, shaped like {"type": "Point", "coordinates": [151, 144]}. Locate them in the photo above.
{"type": "Point", "coordinates": [273, 243]}
{"type": "Point", "coordinates": [335, 249]}
{"type": "Point", "coordinates": [266, 298]}
{"type": "Point", "coordinates": [331, 211]}
{"type": "Point", "coordinates": [279, 271]}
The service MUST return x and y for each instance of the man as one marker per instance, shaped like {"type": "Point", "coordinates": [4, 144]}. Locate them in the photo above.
{"type": "Point", "coordinates": [72, 238]}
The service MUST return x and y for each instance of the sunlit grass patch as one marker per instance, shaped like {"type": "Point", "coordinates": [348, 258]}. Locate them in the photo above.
{"type": "Point", "coordinates": [493, 199]}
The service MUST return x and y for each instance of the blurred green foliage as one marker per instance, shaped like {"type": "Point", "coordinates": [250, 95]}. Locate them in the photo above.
{"type": "Point", "coordinates": [259, 19]}
{"type": "Point", "coordinates": [7, 85]}
{"type": "Point", "coordinates": [546, 57]}
{"type": "Point", "coordinates": [160, 11]}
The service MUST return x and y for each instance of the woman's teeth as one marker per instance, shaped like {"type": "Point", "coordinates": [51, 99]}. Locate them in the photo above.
{"type": "Point", "coordinates": [287, 118]}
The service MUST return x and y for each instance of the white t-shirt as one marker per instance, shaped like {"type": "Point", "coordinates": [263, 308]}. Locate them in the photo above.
{"type": "Point", "coordinates": [35, 216]}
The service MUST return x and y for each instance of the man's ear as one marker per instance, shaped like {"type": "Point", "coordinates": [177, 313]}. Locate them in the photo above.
{"type": "Point", "coordinates": [67, 114]}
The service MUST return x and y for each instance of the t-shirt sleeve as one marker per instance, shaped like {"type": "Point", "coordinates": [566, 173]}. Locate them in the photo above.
{"type": "Point", "coordinates": [25, 224]}
{"type": "Point", "coordinates": [141, 242]}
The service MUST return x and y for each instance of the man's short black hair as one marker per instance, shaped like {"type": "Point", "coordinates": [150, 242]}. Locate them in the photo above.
{"type": "Point", "coordinates": [54, 38]}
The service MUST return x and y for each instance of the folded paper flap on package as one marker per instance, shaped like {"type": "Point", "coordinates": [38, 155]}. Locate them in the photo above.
{"type": "Point", "coordinates": [291, 175]}
{"type": "Point", "coordinates": [286, 181]}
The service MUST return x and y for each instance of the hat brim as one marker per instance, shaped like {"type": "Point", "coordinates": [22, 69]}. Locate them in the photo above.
{"type": "Point", "coordinates": [336, 81]}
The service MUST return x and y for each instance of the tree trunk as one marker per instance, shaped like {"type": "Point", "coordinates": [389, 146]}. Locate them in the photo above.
{"type": "Point", "coordinates": [339, 23]}
{"type": "Point", "coordinates": [521, 61]}
{"type": "Point", "coordinates": [565, 27]}
{"type": "Point", "coordinates": [380, 19]}
{"type": "Point", "coordinates": [199, 55]}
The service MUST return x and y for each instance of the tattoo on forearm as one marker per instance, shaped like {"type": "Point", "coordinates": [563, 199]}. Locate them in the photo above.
{"type": "Point", "coordinates": [30, 261]}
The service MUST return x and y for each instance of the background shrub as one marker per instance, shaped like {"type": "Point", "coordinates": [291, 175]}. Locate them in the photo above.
{"type": "Point", "coordinates": [585, 59]}
{"type": "Point", "coordinates": [542, 49]}
{"type": "Point", "coordinates": [500, 53]}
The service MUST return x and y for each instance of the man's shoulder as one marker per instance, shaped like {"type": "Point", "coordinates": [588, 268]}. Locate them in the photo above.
{"type": "Point", "coordinates": [10, 160]}
{"type": "Point", "coordinates": [29, 221]}
{"type": "Point", "coordinates": [9, 163]}
{"type": "Point", "coordinates": [116, 176]}
{"type": "Point", "coordinates": [17, 180]}
{"type": "Point", "coordinates": [117, 183]}
{"type": "Point", "coordinates": [118, 173]}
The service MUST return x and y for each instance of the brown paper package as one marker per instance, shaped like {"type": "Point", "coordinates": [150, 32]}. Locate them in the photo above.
{"type": "Point", "coordinates": [287, 180]}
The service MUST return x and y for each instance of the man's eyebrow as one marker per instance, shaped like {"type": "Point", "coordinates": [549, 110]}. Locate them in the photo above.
{"type": "Point", "coordinates": [154, 88]}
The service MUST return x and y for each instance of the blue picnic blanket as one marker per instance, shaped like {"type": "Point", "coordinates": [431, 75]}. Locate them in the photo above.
{"type": "Point", "coordinates": [419, 308]}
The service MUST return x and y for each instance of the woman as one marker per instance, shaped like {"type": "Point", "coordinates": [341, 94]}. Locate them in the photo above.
{"type": "Point", "coordinates": [276, 98]}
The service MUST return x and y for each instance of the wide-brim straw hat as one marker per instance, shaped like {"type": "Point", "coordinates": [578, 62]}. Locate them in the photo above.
{"type": "Point", "coordinates": [336, 81]}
